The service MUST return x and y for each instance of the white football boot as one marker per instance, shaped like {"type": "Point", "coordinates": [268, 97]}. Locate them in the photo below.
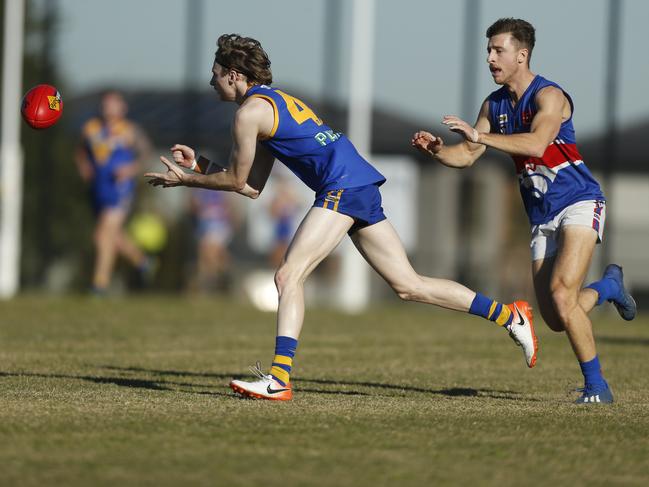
{"type": "Point", "coordinates": [521, 330]}
{"type": "Point", "coordinates": [264, 388]}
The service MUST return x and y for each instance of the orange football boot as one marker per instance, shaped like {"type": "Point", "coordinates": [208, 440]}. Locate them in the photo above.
{"type": "Point", "coordinates": [265, 387]}
{"type": "Point", "coordinates": [521, 329]}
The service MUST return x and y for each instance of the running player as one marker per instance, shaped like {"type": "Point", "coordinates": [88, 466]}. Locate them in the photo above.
{"type": "Point", "coordinates": [272, 124]}
{"type": "Point", "coordinates": [530, 118]}
{"type": "Point", "coordinates": [108, 159]}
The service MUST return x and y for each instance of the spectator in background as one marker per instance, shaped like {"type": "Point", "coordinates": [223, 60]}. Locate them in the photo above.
{"type": "Point", "coordinates": [214, 223]}
{"type": "Point", "coordinates": [283, 210]}
{"type": "Point", "coordinates": [108, 159]}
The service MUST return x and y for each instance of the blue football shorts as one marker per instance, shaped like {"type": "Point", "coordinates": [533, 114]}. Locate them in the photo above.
{"type": "Point", "coordinates": [363, 204]}
{"type": "Point", "coordinates": [112, 195]}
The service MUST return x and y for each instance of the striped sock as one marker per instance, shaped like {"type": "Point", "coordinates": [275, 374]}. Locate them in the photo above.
{"type": "Point", "coordinates": [283, 361]}
{"type": "Point", "coordinates": [491, 310]}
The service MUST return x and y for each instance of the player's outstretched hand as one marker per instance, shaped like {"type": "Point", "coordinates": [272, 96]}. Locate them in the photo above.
{"type": "Point", "coordinates": [173, 177]}
{"type": "Point", "coordinates": [427, 143]}
{"type": "Point", "coordinates": [183, 155]}
{"type": "Point", "coordinates": [459, 126]}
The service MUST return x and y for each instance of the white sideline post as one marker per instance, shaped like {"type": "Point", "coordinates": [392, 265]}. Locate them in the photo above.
{"type": "Point", "coordinates": [10, 150]}
{"type": "Point", "coordinates": [354, 279]}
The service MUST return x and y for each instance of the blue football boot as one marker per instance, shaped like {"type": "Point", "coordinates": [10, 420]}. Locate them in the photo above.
{"type": "Point", "coordinates": [595, 396]}
{"type": "Point", "coordinates": [624, 302]}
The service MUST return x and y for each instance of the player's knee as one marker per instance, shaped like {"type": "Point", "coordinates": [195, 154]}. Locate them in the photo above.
{"type": "Point", "coordinates": [280, 279]}
{"type": "Point", "coordinates": [404, 295]}
{"type": "Point", "coordinates": [100, 236]}
{"type": "Point", "coordinates": [285, 277]}
{"type": "Point", "coordinates": [407, 291]}
{"type": "Point", "coordinates": [564, 300]}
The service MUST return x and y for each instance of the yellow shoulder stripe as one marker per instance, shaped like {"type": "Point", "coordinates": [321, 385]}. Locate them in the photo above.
{"type": "Point", "coordinates": [275, 112]}
{"type": "Point", "coordinates": [92, 127]}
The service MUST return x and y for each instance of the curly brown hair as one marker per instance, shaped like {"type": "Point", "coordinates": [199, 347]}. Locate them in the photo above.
{"type": "Point", "coordinates": [246, 56]}
{"type": "Point", "coordinates": [520, 29]}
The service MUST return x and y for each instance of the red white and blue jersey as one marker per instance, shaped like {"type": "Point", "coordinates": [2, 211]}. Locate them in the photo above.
{"type": "Point", "coordinates": [325, 160]}
{"type": "Point", "coordinates": [559, 178]}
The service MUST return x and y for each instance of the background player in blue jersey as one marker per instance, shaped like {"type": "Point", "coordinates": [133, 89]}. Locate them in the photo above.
{"type": "Point", "coordinates": [108, 160]}
{"type": "Point", "coordinates": [214, 221]}
{"type": "Point", "coordinates": [272, 124]}
{"type": "Point", "coordinates": [530, 118]}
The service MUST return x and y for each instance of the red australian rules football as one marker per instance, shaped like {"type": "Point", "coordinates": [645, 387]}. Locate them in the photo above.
{"type": "Point", "coordinates": [42, 106]}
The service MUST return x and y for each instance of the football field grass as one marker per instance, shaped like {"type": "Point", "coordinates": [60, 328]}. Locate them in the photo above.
{"type": "Point", "coordinates": [134, 392]}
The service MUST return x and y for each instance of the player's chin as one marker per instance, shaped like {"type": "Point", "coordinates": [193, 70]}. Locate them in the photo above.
{"type": "Point", "coordinates": [498, 78]}
{"type": "Point", "coordinates": [224, 96]}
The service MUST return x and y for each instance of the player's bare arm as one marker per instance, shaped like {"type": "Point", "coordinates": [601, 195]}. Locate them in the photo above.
{"type": "Point", "coordinates": [253, 120]}
{"type": "Point", "coordinates": [259, 172]}
{"type": "Point", "coordinates": [553, 108]}
{"type": "Point", "coordinates": [84, 166]}
{"type": "Point", "coordinates": [184, 156]}
{"type": "Point", "coordinates": [140, 142]}
{"type": "Point", "coordinates": [142, 145]}
{"type": "Point", "coordinates": [457, 155]}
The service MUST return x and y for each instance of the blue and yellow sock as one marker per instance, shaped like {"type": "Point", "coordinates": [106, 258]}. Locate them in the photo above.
{"type": "Point", "coordinates": [283, 362]}
{"type": "Point", "coordinates": [491, 310]}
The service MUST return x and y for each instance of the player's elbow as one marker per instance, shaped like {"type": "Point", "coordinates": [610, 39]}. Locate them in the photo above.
{"type": "Point", "coordinates": [472, 154]}
{"type": "Point", "coordinates": [468, 162]}
{"type": "Point", "coordinates": [237, 181]}
{"type": "Point", "coordinates": [537, 151]}
{"type": "Point", "coordinates": [538, 147]}
{"type": "Point", "coordinates": [469, 159]}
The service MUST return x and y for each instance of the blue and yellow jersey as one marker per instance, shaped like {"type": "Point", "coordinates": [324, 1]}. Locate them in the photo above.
{"type": "Point", "coordinates": [323, 159]}
{"type": "Point", "coordinates": [108, 149]}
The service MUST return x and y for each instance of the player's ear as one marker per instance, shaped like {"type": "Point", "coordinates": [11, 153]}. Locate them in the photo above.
{"type": "Point", "coordinates": [241, 77]}
{"type": "Point", "coordinates": [522, 56]}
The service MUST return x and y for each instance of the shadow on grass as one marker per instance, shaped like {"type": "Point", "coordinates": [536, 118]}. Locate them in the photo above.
{"type": "Point", "coordinates": [448, 392]}
{"type": "Point", "coordinates": [174, 386]}
{"type": "Point", "coordinates": [627, 341]}
{"type": "Point", "coordinates": [154, 385]}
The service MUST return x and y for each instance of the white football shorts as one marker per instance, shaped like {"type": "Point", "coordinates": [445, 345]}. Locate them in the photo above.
{"type": "Point", "coordinates": [545, 237]}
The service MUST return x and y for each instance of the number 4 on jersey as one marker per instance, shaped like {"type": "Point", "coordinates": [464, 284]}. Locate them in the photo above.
{"type": "Point", "coordinates": [298, 109]}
